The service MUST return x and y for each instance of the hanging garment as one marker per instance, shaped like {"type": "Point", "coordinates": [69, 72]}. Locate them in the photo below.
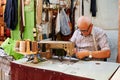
{"type": "Point", "coordinates": [53, 36]}
{"type": "Point", "coordinates": [64, 23]}
{"type": "Point", "coordinates": [93, 8]}
{"type": "Point", "coordinates": [47, 15]}
{"type": "Point", "coordinates": [73, 22]}
{"type": "Point", "coordinates": [29, 21]}
{"type": "Point", "coordinates": [57, 29]}
{"type": "Point", "coordinates": [11, 14]}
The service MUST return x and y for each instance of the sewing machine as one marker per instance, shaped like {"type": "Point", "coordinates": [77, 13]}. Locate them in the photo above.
{"type": "Point", "coordinates": [66, 45]}
{"type": "Point", "coordinates": [47, 45]}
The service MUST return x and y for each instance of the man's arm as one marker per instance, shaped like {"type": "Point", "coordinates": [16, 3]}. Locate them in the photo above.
{"type": "Point", "coordinates": [95, 54]}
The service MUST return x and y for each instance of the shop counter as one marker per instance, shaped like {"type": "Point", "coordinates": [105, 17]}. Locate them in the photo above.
{"type": "Point", "coordinates": [65, 70]}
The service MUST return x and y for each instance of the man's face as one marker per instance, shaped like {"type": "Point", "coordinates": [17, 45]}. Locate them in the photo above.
{"type": "Point", "coordinates": [85, 29]}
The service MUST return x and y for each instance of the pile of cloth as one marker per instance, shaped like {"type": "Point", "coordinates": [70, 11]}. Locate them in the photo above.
{"type": "Point", "coordinates": [7, 50]}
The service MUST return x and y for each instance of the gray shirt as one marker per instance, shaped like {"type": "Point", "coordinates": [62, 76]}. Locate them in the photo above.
{"type": "Point", "coordinates": [87, 43]}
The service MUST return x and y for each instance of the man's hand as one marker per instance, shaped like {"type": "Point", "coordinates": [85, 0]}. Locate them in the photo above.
{"type": "Point", "coordinates": [82, 54]}
{"type": "Point", "coordinates": [75, 51]}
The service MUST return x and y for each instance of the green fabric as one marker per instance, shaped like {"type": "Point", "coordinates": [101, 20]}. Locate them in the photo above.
{"type": "Point", "coordinates": [15, 34]}
{"type": "Point", "coordinates": [29, 23]}
{"type": "Point", "coordinates": [8, 45]}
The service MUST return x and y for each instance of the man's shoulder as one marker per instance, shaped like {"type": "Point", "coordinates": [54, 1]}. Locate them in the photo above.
{"type": "Point", "coordinates": [98, 29]}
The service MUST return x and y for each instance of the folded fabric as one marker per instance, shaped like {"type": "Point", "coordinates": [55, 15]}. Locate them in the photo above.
{"type": "Point", "coordinates": [8, 45]}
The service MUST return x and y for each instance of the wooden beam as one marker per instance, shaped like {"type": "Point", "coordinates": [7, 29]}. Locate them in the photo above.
{"type": "Point", "coordinates": [118, 56]}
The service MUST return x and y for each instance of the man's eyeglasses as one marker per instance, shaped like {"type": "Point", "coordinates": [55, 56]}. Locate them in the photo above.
{"type": "Point", "coordinates": [87, 29]}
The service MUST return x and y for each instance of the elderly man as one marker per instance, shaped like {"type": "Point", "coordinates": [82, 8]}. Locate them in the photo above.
{"type": "Point", "coordinates": [90, 41]}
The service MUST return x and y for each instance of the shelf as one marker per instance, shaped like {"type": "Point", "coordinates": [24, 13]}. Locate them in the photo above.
{"type": "Point", "coordinates": [27, 53]}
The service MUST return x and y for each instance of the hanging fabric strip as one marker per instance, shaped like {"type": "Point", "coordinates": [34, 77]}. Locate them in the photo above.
{"type": "Point", "coordinates": [23, 15]}
{"type": "Point", "coordinates": [22, 23]}
{"type": "Point", "coordinates": [71, 10]}
{"type": "Point", "coordinates": [82, 7]}
{"type": "Point", "coordinates": [94, 40]}
{"type": "Point", "coordinates": [39, 12]}
{"type": "Point", "coordinates": [93, 8]}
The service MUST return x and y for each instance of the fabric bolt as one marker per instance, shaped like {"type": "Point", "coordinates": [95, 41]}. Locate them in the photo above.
{"type": "Point", "coordinates": [87, 43]}
{"type": "Point", "coordinates": [27, 42]}
{"type": "Point", "coordinates": [22, 46]}
{"type": "Point", "coordinates": [17, 45]}
{"type": "Point", "coordinates": [34, 46]}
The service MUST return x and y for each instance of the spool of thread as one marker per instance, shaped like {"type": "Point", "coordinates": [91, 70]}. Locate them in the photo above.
{"type": "Point", "coordinates": [27, 46]}
{"type": "Point", "coordinates": [17, 45]}
{"type": "Point", "coordinates": [34, 46]}
{"type": "Point", "coordinates": [34, 34]}
{"type": "Point", "coordinates": [22, 46]}
{"type": "Point", "coordinates": [40, 37]}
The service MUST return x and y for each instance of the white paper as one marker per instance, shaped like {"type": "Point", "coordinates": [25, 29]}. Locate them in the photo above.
{"type": "Point", "coordinates": [116, 75]}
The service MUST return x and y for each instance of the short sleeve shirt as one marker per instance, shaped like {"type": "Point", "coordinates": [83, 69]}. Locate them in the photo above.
{"type": "Point", "coordinates": [87, 42]}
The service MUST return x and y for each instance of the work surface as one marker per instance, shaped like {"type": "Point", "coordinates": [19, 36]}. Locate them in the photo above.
{"type": "Point", "coordinates": [97, 70]}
